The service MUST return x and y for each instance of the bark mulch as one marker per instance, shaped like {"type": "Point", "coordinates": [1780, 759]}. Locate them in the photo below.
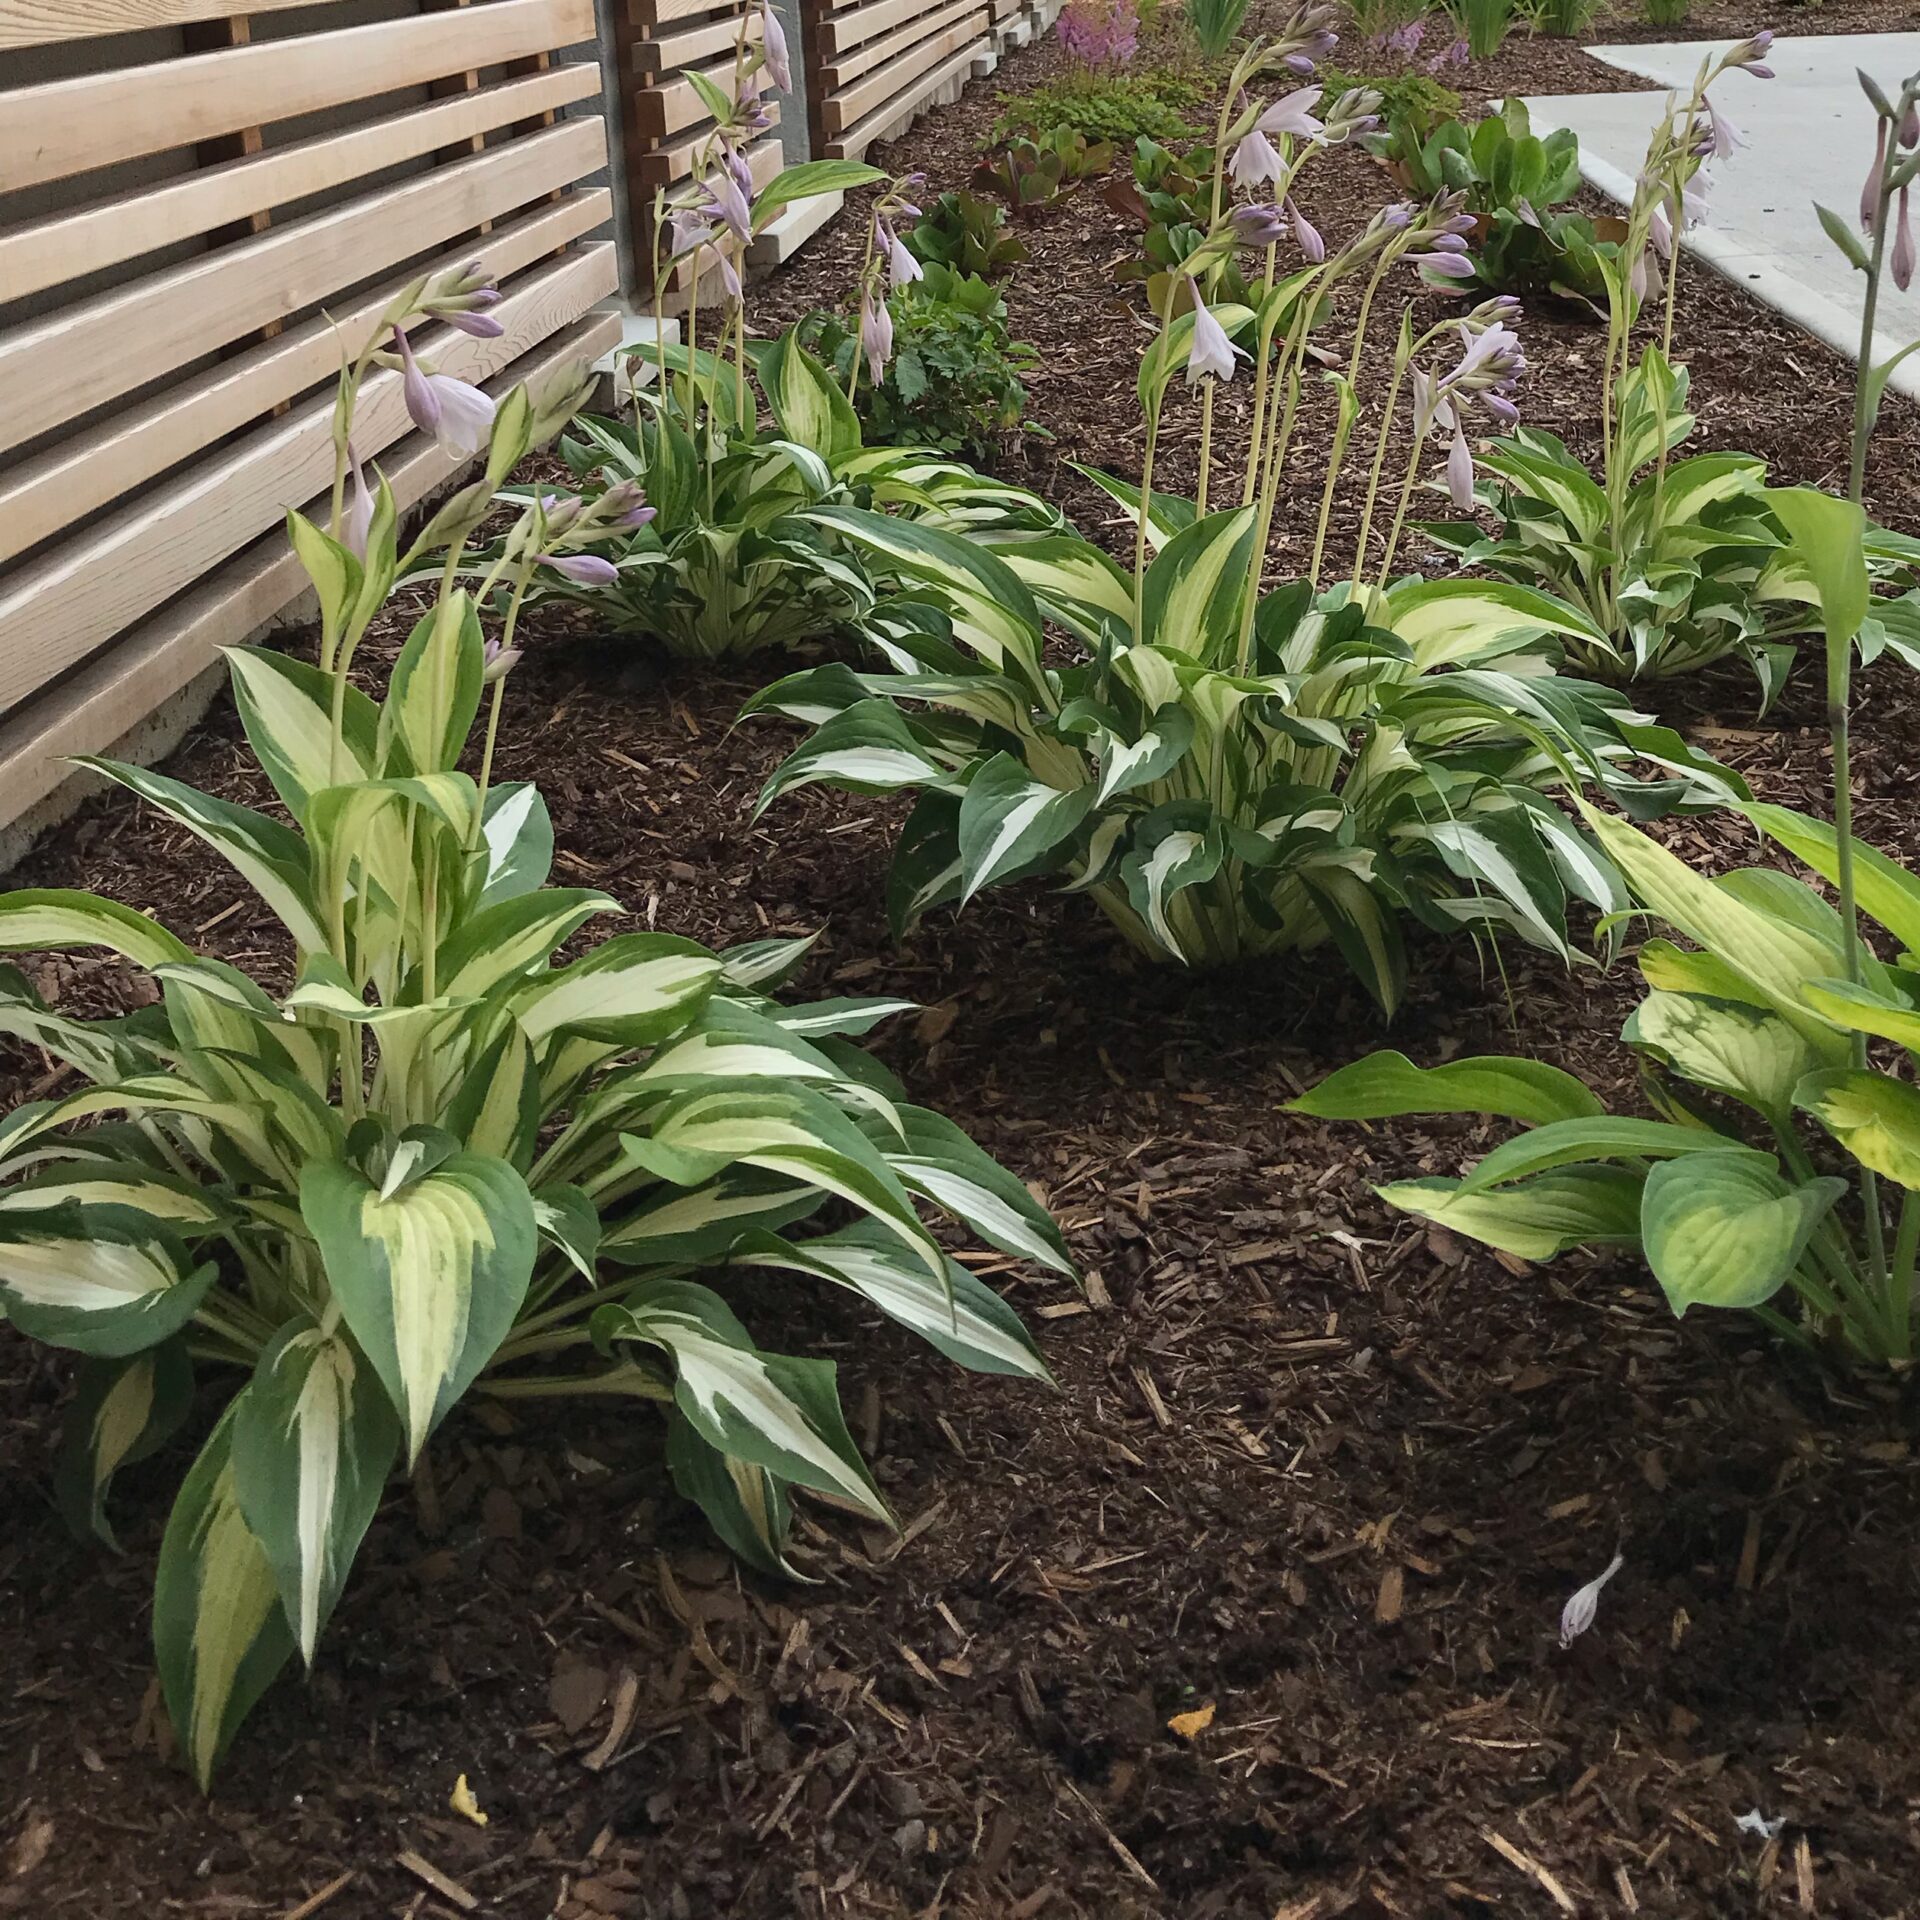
{"type": "Point", "coordinates": [1315, 1482]}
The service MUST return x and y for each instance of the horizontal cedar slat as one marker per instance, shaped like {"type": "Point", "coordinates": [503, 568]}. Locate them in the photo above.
{"type": "Point", "coordinates": [928, 21]}
{"type": "Point", "coordinates": [59, 609]}
{"type": "Point", "coordinates": [835, 33]}
{"type": "Point", "coordinates": [854, 141]}
{"type": "Point", "coordinates": [76, 359]}
{"type": "Point", "coordinates": [894, 81]}
{"type": "Point", "coordinates": [89, 238]}
{"type": "Point", "coordinates": [689, 48]}
{"type": "Point", "coordinates": [100, 703]}
{"type": "Point", "coordinates": [32, 23]}
{"type": "Point", "coordinates": [84, 473]}
{"type": "Point", "coordinates": [94, 119]}
{"type": "Point", "coordinates": [661, 13]}
{"type": "Point", "coordinates": [671, 106]}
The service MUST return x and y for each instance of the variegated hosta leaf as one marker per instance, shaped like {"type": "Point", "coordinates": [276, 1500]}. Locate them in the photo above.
{"type": "Point", "coordinates": [517, 834]}
{"type": "Point", "coordinates": [314, 1439]}
{"type": "Point", "coordinates": [1160, 747]}
{"type": "Point", "coordinates": [1009, 821]}
{"type": "Point", "coordinates": [514, 935]}
{"type": "Point", "coordinates": [56, 918]}
{"type": "Point", "coordinates": [767, 1409]}
{"type": "Point", "coordinates": [1195, 589]}
{"type": "Point", "coordinates": [1364, 930]}
{"type": "Point", "coordinates": [178, 1204]}
{"type": "Point", "coordinates": [219, 1633]}
{"type": "Point", "coordinates": [1455, 620]}
{"type": "Point", "coordinates": [950, 1169]}
{"type": "Point", "coordinates": [964, 1319]}
{"type": "Point", "coordinates": [428, 1279]}
{"type": "Point", "coordinates": [763, 965]}
{"type": "Point", "coordinates": [569, 1220]}
{"type": "Point", "coordinates": [121, 1411]}
{"type": "Point", "coordinates": [870, 748]}
{"type": "Point", "coordinates": [435, 689]}
{"type": "Point", "coordinates": [271, 858]}
{"type": "Point", "coordinates": [671, 1225]}
{"type": "Point", "coordinates": [632, 990]}
{"type": "Point", "coordinates": [1158, 870]}
{"type": "Point", "coordinates": [105, 1281]}
{"type": "Point", "coordinates": [1726, 1230]}
{"type": "Point", "coordinates": [786, 1132]}
{"type": "Point", "coordinates": [286, 706]}
{"type": "Point", "coordinates": [744, 1504]}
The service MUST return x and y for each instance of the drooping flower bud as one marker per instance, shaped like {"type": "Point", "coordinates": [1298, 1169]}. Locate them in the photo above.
{"type": "Point", "coordinates": [727, 201]}
{"type": "Point", "coordinates": [357, 521]}
{"type": "Point", "coordinates": [1460, 471]}
{"type": "Point", "coordinates": [876, 336]}
{"type": "Point", "coordinates": [583, 569]}
{"type": "Point", "coordinates": [1577, 1615]}
{"type": "Point", "coordinates": [1910, 126]}
{"type": "Point", "coordinates": [496, 662]}
{"type": "Point", "coordinates": [1870, 188]}
{"type": "Point", "coordinates": [1257, 226]}
{"type": "Point", "coordinates": [1306, 236]}
{"type": "Point", "coordinates": [479, 326]}
{"type": "Point", "coordinates": [1903, 245]}
{"type": "Point", "coordinates": [773, 44]}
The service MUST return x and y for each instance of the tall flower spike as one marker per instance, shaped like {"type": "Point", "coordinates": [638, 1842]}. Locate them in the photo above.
{"type": "Point", "coordinates": [1211, 351]}
{"type": "Point", "coordinates": [773, 44]}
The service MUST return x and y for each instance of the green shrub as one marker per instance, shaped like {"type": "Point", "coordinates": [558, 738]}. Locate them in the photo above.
{"type": "Point", "coordinates": [1413, 104]}
{"type": "Point", "coordinates": [1214, 24]}
{"type": "Point", "coordinates": [955, 377]}
{"type": "Point", "coordinates": [1666, 13]}
{"type": "Point", "coordinates": [967, 233]}
{"type": "Point", "coordinates": [1116, 108]}
{"type": "Point", "coordinates": [1484, 24]}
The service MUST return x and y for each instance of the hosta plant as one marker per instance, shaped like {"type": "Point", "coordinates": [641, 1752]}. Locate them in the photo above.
{"type": "Point", "coordinates": [431, 1158]}
{"type": "Point", "coordinates": [967, 233]}
{"type": "Point", "coordinates": [1231, 771]}
{"type": "Point", "coordinates": [1779, 1050]}
{"type": "Point", "coordinates": [1679, 561]}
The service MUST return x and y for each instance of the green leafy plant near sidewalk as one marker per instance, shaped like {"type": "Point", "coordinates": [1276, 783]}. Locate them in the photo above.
{"type": "Point", "coordinates": [1230, 771]}
{"type": "Point", "coordinates": [1512, 181]}
{"type": "Point", "coordinates": [1681, 562]}
{"type": "Point", "coordinates": [1778, 1049]}
{"type": "Point", "coordinates": [967, 233]}
{"type": "Point", "coordinates": [1111, 109]}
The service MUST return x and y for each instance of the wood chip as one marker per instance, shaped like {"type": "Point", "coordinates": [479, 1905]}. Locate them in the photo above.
{"type": "Point", "coordinates": [315, 1901]}
{"type": "Point", "coordinates": [442, 1884]}
{"type": "Point", "coordinates": [1119, 1846]}
{"type": "Point", "coordinates": [1512, 1855]}
{"type": "Point", "coordinates": [626, 1703]}
{"type": "Point", "coordinates": [1151, 1394]}
{"type": "Point", "coordinates": [1391, 1598]}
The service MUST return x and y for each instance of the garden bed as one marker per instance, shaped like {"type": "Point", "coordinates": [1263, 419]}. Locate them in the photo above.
{"type": "Point", "coordinates": [1310, 1466]}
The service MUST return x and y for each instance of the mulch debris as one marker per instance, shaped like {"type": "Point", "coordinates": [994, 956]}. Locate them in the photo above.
{"type": "Point", "coordinates": [1255, 1618]}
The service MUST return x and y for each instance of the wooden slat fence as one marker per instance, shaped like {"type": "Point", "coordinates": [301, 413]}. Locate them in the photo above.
{"type": "Point", "coordinates": [189, 201]}
{"type": "Point", "coordinates": [873, 64]}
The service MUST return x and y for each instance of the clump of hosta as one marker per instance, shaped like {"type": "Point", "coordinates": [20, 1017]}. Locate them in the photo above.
{"type": "Point", "coordinates": [442, 1162]}
{"type": "Point", "coordinates": [1230, 771]}
{"type": "Point", "coordinates": [731, 559]}
{"type": "Point", "coordinates": [1680, 562]}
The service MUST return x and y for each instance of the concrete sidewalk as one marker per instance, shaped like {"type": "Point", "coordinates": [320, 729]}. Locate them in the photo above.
{"type": "Point", "coordinates": [1809, 136]}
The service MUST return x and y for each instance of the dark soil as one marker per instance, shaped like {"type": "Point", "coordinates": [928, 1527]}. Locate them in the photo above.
{"type": "Point", "coordinates": [1320, 1473]}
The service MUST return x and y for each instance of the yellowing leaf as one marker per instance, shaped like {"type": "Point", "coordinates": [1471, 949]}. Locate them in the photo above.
{"type": "Point", "coordinates": [461, 1800]}
{"type": "Point", "coordinates": [1189, 1726]}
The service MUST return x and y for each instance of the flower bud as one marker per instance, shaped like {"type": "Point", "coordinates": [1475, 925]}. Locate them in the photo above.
{"type": "Point", "coordinates": [1577, 1615]}
{"type": "Point", "coordinates": [583, 569]}
{"type": "Point", "coordinates": [497, 662]}
{"type": "Point", "coordinates": [1903, 245]}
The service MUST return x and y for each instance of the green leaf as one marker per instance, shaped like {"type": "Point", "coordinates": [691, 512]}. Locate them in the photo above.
{"type": "Point", "coordinates": [1725, 1230]}
{"type": "Point", "coordinates": [807, 402]}
{"type": "Point", "coordinates": [1862, 1010]}
{"type": "Point", "coordinates": [1724, 1045]}
{"type": "Point", "coordinates": [632, 990]}
{"type": "Point", "coordinates": [434, 692]}
{"type": "Point", "coordinates": [429, 1279]}
{"type": "Point", "coordinates": [1386, 1085]}
{"type": "Point", "coordinates": [1605, 1136]}
{"type": "Point", "coordinates": [513, 935]}
{"type": "Point", "coordinates": [107, 1281]}
{"type": "Point", "coordinates": [1538, 1218]}
{"type": "Point", "coordinates": [1875, 1118]}
{"type": "Point", "coordinates": [870, 748]}
{"type": "Point", "coordinates": [808, 180]}
{"type": "Point", "coordinates": [121, 1411]}
{"type": "Point", "coordinates": [53, 919]}
{"type": "Point", "coordinates": [964, 1319]}
{"type": "Point", "coordinates": [335, 573]}
{"type": "Point", "coordinates": [1009, 821]}
{"type": "Point", "coordinates": [744, 1504]}
{"type": "Point", "coordinates": [1195, 589]}
{"type": "Point", "coordinates": [1884, 888]}
{"type": "Point", "coordinates": [715, 98]}
{"type": "Point", "coordinates": [1828, 536]}
{"type": "Point", "coordinates": [942, 1162]}
{"type": "Point", "coordinates": [286, 706]}
{"type": "Point", "coordinates": [219, 1635]}
{"type": "Point", "coordinates": [517, 832]}
{"type": "Point", "coordinates": [770, 1410]}
{"type": "Point", "coordinates": [314, 1439]}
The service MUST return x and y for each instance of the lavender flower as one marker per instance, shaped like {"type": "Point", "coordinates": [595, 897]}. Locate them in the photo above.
{"type": "Point", "coordinates": [496, 662]}
{"type": "Point", "coordinates": [455, 412]}
{"type": "Point", "coordinates": [583, 569]}
{"type": "Point", "coordinates": [1306, 235]}
{"type": "Point", "coordinates": [1256, 162]}
{"type": "Point", "coordinates": [727, 201]}
{"type": "Point", "coordinates": [1660, 232]}
{"type": "Point", "coordinates": [357, 522]}
{"type": "Point", "coordinates": [1870, 188]}
{"type": "Point", "coordinates": [1211, 351]}
{"type": "Point", "coordinates": [1577, 1615]}
{"type": "Point", "coordinates": [773, 44]}
{"type": "Point", "coordinates": [687, 230]}
{"type": "Point", "coordinates": [1450, 266]}
{"type": "Point", "coordinates": [1259, 226]}
{"type": "Point", "coordinates": [1903, 246]}
{"type": "Point", "coordinates": [1293, 114]}
{"type": "Point", "coordinates": [876, 335]}
{"type": "Point", "coordinates": [902, 268]}
{"type": "Point", "coordinates": [751, 111]}
{"type": "Point", "coordinates": [1460, 471]}
{"type": "Point", "coordinates": [1750, 53]}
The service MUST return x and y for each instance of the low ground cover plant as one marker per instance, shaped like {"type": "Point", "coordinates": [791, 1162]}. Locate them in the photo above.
{"type": "Point", "coordinates": [1033, 176]}
{"type": "Point", "coordinates": [1227, 770]}
{"type": "Point", "coordinates": [967, 232]}
{"type": "Point", "coordinates": [1778, 1048]}
{"type": "Point", "coordinates": [1112, 108]}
